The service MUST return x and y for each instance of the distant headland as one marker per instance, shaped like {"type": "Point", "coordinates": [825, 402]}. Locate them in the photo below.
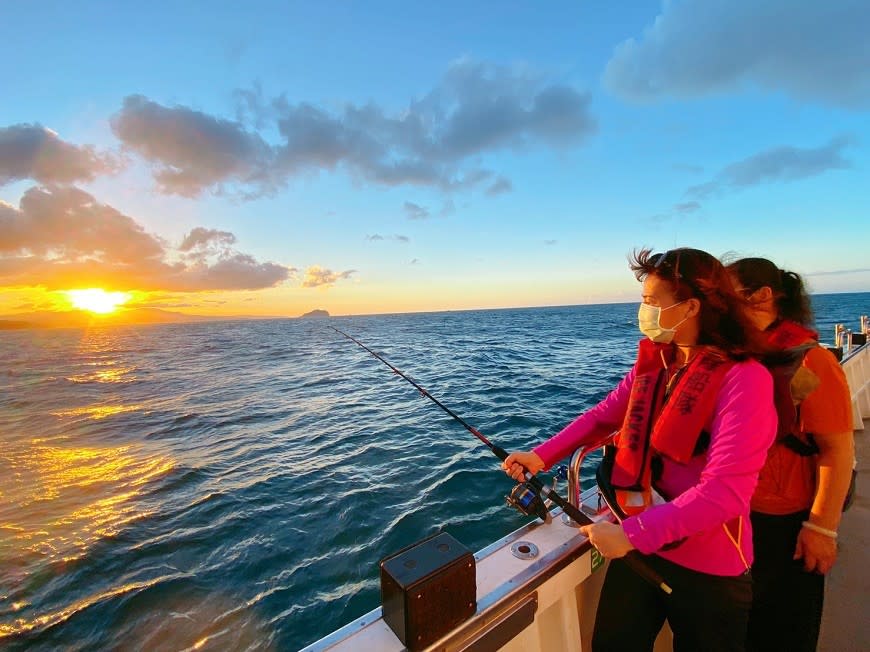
{"type": "Point", "coordinates": [315, 314]}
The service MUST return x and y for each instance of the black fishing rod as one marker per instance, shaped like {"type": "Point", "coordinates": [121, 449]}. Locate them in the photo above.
{"type": "Point", "coordinates": [526, 497]}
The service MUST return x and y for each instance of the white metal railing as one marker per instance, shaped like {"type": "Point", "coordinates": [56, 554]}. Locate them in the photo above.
{"type": "Point", "coordinates": [846, 339]}
{"type": "Point", "coordinates": [856, 366]}
{"type": "Point", "coordinates": [525, 603]}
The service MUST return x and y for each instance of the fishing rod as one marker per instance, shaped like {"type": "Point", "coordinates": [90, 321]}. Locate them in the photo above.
{"type": "Point", "coordinates": [526, 497]}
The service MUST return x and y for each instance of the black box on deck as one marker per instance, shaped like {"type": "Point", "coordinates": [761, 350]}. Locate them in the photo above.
{"type": "Point", "coordinates": [427, 589]}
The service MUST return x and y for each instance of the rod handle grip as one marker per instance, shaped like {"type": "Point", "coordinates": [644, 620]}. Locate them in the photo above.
{"type": "Point", "coordinates": [639, 565]}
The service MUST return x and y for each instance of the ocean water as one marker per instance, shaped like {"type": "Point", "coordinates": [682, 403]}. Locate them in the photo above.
{"type": "Point", "coordinates": [233, 485]}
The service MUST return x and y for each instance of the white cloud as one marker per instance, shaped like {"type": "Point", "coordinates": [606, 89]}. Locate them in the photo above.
{"type": "Point", "coordinates": [434, 141]}
{"type": "Point", "coordinates": [316, 276]}
{"type": "Point", "coordinates": [784, 163]}
{"type": "Point", "coordinates": [813, 50]}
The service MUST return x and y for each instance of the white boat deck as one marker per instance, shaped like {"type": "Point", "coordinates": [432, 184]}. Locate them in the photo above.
{"type": "Point", "coordinates": [846, 620]}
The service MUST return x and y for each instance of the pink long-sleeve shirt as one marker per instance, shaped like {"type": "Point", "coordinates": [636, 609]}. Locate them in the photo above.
{"type": "Point", "coordinates": [712, 489]}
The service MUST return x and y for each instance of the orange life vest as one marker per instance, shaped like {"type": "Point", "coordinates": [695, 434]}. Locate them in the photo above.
{"type": "Point", "coordinates": [791, 341]}
{"type": "Point", "coordinates": [662, 420]}
{"type": "Point", "coordinates": [788, 477]}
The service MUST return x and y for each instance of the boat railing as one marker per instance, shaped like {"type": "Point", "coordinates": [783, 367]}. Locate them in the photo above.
{"type": "Point", "coordinates": [537, 589]}
{"type": "Point", "coordinates": [856, 366]}
{"type": "Point", "coordinates": [846, 340]}
{"type": "Point", "coordinates": [575, 486]}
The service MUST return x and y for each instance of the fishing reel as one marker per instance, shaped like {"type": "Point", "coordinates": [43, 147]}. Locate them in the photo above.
{"type": "Point", "coordinates": [527, 499]}
{"type": "Point", "coordinates": [526, 496]}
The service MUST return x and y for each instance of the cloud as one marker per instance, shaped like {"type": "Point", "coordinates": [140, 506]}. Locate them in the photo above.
{"type": "Point", "coordinates": [66, 223]}
{"type": "Point", "coordinates": [476, 108]}
{"type": "Point", "coordinates": [316, 276]}
{"type": "Point", "coordinates": [62, 237]}
{"type": "Point", "coordinates": [838, 272]}
{"type": "Point", "coordinates": [550, 243]}
{"type": "Point", "coordinates": [416, 212]}
{"type": "Point", "coordinates": [398, 238]}
{"type": "Point", "coordinates": [783, 163]}
{"type": "Point", "coordinates": [687, 207]}
{"type": "Point", "coordinates": [192, 151]}
{"type": "Point", "coordinates": [201, 238]}
{"type": "Point", "coordinates": [814, 51]}
{"type": "Point", "coordinates": [501, 186]}
{"type": "Point", "coordinates": [434, 141]}
{"type": "Point", "coordinates": [235, 271]}
{"type": "Point", "coordinates": [30, 151]}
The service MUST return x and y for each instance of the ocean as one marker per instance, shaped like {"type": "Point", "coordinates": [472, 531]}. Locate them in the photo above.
{"type": "Point", "coordinates": [232, 485]}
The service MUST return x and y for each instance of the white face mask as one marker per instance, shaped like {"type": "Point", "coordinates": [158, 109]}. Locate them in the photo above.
{"type": "Point", "coordinates": [648, 322]}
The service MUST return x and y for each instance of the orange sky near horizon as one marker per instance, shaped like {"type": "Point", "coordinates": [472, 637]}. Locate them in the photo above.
{"type": "Point", "coordinates": [352, 299]}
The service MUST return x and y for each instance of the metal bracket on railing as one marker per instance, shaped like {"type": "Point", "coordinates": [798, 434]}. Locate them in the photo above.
{"type": "Point", "coordinates": [574, 483]}
{"type": "Point", "coordinates": [846, 340]}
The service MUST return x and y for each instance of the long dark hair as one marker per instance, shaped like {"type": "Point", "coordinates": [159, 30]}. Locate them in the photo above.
{"type": "Point", "coordinates": [696, 274]}
{"type": "Point", "coordinates": [789, 294]}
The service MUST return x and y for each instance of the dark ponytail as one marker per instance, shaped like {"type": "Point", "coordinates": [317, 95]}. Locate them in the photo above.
{"type": "Point", "coordinates": [789, 292]}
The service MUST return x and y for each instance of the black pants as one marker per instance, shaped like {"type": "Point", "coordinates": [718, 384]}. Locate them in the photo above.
{"type": "Point", "coordinates": [707, 613]}
{"type": "Point", "coordinates": [787, 609]}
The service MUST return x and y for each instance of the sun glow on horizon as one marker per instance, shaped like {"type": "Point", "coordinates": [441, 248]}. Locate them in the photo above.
{"type": "Point", "coordinates": [97, 300]}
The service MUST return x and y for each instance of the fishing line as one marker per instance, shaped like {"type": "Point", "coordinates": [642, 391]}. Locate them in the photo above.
{"type": "Point", "coordinates": [632, 559]}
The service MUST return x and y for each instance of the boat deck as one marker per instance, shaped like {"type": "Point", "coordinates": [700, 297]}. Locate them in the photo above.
{"type": "Point", "coordinates": [845, 624]}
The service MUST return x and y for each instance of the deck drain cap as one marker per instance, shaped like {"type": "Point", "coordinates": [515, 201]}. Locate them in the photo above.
{"type": "Point", "coordinates": [524, 550]}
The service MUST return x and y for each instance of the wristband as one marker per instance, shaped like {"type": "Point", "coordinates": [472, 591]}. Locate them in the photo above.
{"type": "Point", "coordinates": [820, 529]}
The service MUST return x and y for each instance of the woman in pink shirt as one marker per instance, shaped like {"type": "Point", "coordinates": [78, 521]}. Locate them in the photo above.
{"type": "Point", "coordinates": [695, 418]}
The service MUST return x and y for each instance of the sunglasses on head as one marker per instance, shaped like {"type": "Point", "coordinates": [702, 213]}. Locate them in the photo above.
{"type": "Point", "coordinates": [673, 265]}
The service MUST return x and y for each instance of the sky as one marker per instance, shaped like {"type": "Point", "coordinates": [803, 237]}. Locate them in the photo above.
{"type": "Point", "coordinates": [272, 158]}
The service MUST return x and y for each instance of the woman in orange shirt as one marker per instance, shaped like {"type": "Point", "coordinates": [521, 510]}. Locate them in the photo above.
{"type": "Point", "coordinates": [798, 502]}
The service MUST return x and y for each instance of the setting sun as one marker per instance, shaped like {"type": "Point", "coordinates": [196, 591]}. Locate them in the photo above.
{"type": "Point", "coordinates": [97, 300]}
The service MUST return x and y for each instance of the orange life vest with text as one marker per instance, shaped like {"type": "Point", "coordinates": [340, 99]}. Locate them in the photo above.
{"type": "Point", "coordinates": [663, 418]}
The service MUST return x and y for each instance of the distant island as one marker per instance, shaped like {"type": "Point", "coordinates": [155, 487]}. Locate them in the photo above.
{"type": "Point", "coordinates": [315, 314]}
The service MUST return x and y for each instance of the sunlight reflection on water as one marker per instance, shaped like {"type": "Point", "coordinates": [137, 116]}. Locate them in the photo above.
{"type": "Point", "coordinates": [114, 375]}
{"type": "Point", "coordinates": [98, 411]}
{"type": "Point", "coordinates": [58, 500]}
{"type": "Point", "coordinates": [55, 503]}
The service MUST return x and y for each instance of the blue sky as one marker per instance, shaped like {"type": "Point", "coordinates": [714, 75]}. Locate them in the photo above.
{"type": "Point", "coordinates": [387, 157]}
